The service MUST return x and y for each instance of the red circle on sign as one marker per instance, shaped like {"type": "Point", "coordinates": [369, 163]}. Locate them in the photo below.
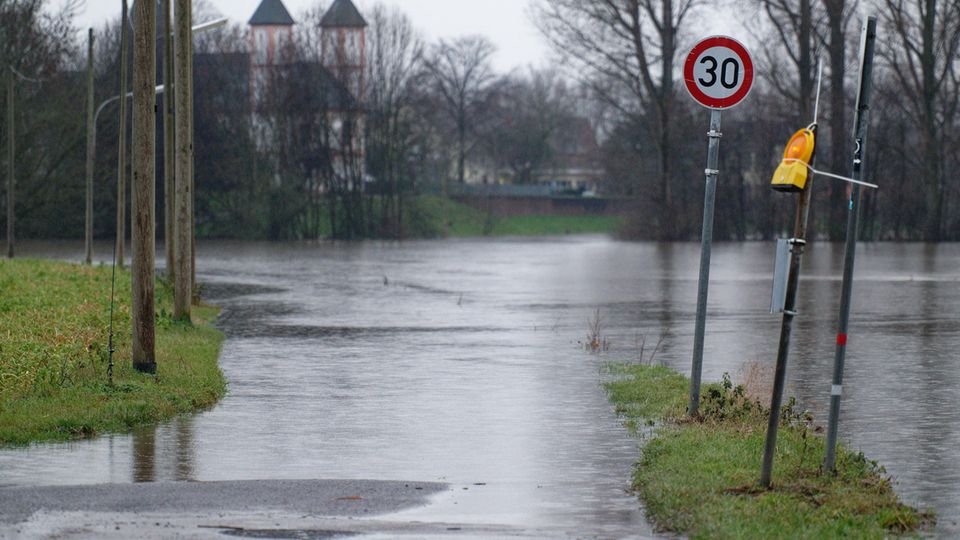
{"type": "Point", "coordinates": [740, 51]}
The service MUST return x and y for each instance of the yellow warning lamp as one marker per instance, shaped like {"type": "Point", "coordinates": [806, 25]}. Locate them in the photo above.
{"type": "Point", "coordinates": [792, 173]}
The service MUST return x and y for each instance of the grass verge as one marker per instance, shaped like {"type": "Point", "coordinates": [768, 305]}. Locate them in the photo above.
{"type": "Point", "coordinates": [53, 356]}
{"type": "Point", "coordinates": [700, 477]}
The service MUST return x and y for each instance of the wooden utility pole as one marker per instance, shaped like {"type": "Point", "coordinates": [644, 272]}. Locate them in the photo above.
{"type": "Point", "coordinates": [169, 146]}
{"type": "Point", "coordinates": [193, 191]}
{"type": "Point", "coordinates": [183, 286]}
{"type": "Point", "coordinates": [11, 155]}
{"type": "Point", "coordinates": [144, 184]}
{"type": "Point", "coordinates": [122, 145]}
{"type": "Point", "coordinates": [91, 151]}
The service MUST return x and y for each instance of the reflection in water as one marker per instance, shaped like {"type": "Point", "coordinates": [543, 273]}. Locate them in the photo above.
{"type": "Point", "coordinates": [144, 454]}
{"type": "Point", "coordinates": [164, 452]}
{"type": "Point", "coordinates": [463, 366]}
{"type": "Point", "coordinates": [184, 462]}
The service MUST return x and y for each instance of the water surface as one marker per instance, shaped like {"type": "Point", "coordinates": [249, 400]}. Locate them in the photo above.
{"type": "Point", "coordinates": [460, 361]}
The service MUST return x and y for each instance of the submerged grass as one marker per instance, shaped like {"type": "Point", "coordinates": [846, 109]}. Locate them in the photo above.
{"type": "Point", "coordinates": [53, 356]}
{"type": "Point", "coordinates": [700, 477]}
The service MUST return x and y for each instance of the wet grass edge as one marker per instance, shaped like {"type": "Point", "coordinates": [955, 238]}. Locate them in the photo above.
{"type": "Point", "coordinates": [700, 477]}
{"type": "Point", "coordinates": [83, 404]}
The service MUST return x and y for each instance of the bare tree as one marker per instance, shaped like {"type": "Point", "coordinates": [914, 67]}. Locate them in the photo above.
{"type": "Point", "coordinates": [629, 48]}
{"type": "Point", "coordinates": [35, 42]}
{"type": "Point", "coordinates": [463, 76]}
{"type": "Point", "coordinates": [394, 53]}
{"type": "Point", "coordinates": [839, 14]}
{"type": "Point", "coordinates": [800, 30]}
{"type": "Point", "coordinates": [795, 29]}
{"type": "Point", "coordinates": [527, 115]}
{"type": "Point", "coordinates": [922, 59]}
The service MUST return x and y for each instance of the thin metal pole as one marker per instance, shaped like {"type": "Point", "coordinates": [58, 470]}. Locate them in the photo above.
{"type": "Point", "coordinates": [122, 144]}
{"type": "Point", "coordinates": [91, 152]}
{"type": "Point", "coordinates": [710, 197]}
{"type": "Point", "coordinates": [11, 156]}
{"type": "Point", "coordinates": [797, 246]}
{"type": "Point", "coordinates": [860, 127]}
{"type": "Point", "coordinates": [144, 186]}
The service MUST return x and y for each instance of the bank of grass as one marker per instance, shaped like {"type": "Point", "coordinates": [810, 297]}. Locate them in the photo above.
{"type": "Point", "coordinates": [700, 477]}
{"type": "Point", "coordinates": [432, 217]}
{"type": "Point", "coordinates": [53, 356]}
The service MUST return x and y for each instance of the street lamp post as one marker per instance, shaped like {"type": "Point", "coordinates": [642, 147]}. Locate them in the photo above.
{"type": "Point", "coordinates": [91, 159]}
{"type": "Point", "coordinates": [91, 140]}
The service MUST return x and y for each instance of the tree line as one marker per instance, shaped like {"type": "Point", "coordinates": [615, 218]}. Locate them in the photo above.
{"type": "Point", "coordinates": [435, 112]}
{"type": "Point", "coordinates": [655, 144]}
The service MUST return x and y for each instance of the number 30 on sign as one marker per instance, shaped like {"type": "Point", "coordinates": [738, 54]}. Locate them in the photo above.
{"type": "Point", "coordinates": [718, 72]}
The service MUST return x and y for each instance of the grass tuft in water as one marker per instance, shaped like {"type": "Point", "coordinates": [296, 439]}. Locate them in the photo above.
{"type": "Point", "coordinates": [700, 477]}
{"type": "Point", "coordinates": [53, 356]}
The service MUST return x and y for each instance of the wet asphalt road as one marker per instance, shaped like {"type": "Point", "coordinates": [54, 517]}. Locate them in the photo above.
{"type": "Point", "coordinates": [246, 509]}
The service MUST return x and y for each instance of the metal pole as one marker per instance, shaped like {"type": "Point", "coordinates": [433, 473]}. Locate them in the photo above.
{"type": "Point", "coordinates": [122, 145]}
{"type": "Point", "coordinates": [860, 126]}
{"type": "Point", "coordinates": [144, 185]}
{"type": "Point", "coordinates": [11, 156]}
{"type": "Point", "coordinates": [183, 292]}
{"type": "Point", "coordinates": [710, 196]}
{"type": "Point", "coordinates": [169, 142]}
{"type": "Point", "coordinates": [797, 245]}
{"type": "Point", "coordinates": [91, 151]}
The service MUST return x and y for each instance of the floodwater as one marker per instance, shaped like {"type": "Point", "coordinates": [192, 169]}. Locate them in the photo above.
{"type": "Point", "coordinates": [460, 361]}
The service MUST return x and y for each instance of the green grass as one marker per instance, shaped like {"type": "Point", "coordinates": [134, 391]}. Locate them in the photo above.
{"type": "Point", "coordinates": [53, 356]}
{"type": "Point", "coordinates": [700, 477]}
{"type": "Point", "coordinates": [556, 225]}
{"type": "Point", "coordinates": [431, 217]}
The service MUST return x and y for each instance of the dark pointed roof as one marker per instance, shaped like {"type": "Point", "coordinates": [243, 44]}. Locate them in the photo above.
{"type": "Point", "coordinates": [271, 13]}
{"type": "Point", "coordinates": [343, 14]}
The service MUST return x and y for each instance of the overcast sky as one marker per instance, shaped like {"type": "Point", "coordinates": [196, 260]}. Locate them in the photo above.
{"type": "Point", "coordinates": [505, 22]}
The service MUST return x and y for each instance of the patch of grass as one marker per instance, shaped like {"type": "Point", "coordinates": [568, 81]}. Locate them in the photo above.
{"type": "Point", "coordinates": [431, 216]}
{"type": "Point", "coordinates": [700, 477]}
{"type": "Point", "coordinates": [53, 356]}
{"type": "Point", "coordinates": [556, 225]}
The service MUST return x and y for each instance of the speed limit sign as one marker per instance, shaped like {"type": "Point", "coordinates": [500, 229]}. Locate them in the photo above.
{"type": "Point", "coordinates": [718, 72]}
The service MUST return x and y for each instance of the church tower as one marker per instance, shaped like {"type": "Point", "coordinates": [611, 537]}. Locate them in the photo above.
{"type": "Point", "coordinates": [271, 30]}
{"type": "Point", "coordinates": [344, 45]}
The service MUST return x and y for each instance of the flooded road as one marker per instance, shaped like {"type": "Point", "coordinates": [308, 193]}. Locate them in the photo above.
{"type": "Point", "coordinates": [461, 362]}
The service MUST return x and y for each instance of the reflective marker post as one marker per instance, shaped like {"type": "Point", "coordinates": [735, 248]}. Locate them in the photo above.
{"type": "Point", "coordinates": [718, 74]}
{"type": "Point", "coordinates": [861, 123]}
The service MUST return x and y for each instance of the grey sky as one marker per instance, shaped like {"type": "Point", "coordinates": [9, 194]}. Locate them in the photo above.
{"type": "Point", "coordinates": [505, 22]}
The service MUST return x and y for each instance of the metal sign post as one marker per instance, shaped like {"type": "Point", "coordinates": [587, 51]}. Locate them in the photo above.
{"type": "Point", "coordinates": [718, 74]}
{"type": "Point", "coordinates": [861, 123]}
{"type": "Point", "coordinates": [804, 142]}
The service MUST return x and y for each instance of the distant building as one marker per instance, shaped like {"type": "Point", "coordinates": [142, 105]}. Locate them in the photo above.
{"type": "Point", "coordinates": [338, 78]}
{"type": "Point", "coordinates": [271, 32]}
{"type": "Point", "coordinates": [574, 169]}
{"type": "Point", "coordinates": [577, 166]}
